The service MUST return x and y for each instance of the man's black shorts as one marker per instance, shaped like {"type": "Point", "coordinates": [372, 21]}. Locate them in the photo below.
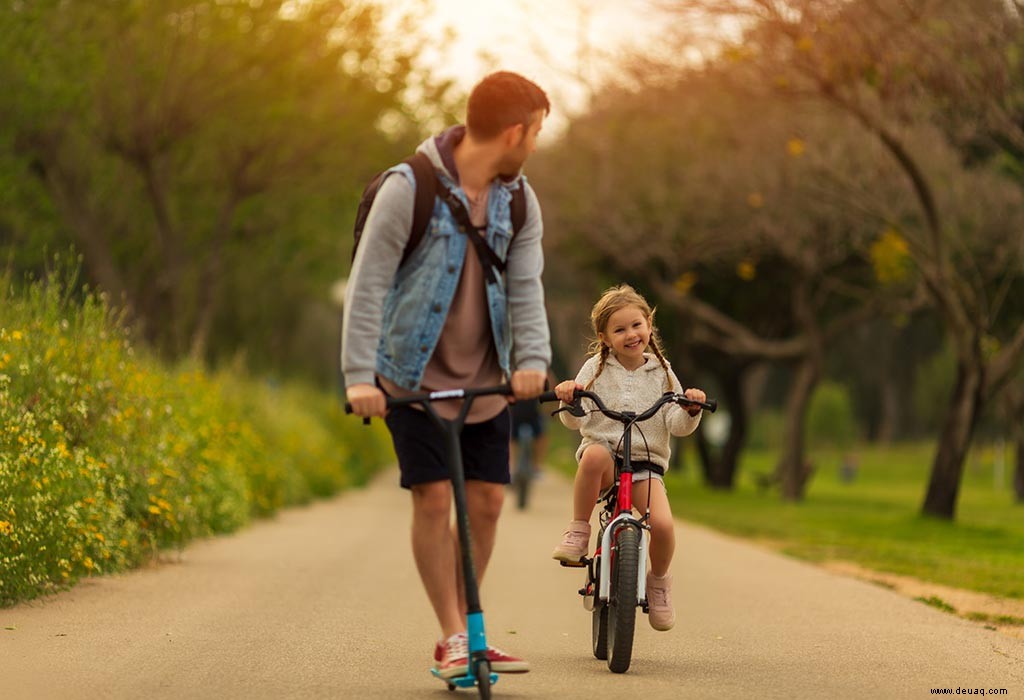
{"type": "Point", "coordinates": [422, 456]}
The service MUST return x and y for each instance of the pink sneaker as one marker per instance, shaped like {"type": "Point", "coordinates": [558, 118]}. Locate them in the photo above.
{"type": "Point", "coordinates": [574, 544]}
{"type": "Point", "coordinates": [660, 612]}
{"type": "Point", "coordinates": [501, 662]}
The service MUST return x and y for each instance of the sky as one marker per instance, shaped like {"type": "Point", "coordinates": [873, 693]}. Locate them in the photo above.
{"type": "Point", "coordinates": [562, 45]}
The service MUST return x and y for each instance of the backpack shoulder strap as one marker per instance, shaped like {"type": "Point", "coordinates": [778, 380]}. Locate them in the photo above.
{"type": "Point", "coordinates": [518, 209]}
{"type": "Point", "coordinates": [423, 207]}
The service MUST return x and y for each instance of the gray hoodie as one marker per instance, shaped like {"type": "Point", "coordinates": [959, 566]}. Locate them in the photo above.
{"type": "Point", "coordinates": [374, 270]}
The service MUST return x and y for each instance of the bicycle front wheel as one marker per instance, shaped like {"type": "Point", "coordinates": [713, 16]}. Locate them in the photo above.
{"type": "Point", "coordinates": [622, 602]}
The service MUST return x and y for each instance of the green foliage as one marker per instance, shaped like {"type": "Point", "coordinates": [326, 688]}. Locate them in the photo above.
{"type": "Point", "coordinates": [874, 521]}
{"type": "Point", "coordinates": [933, 387]}
{"type": "Point", "coordinates": [766, 428]}
{"type": "Point", "coordinates": [936, 602]}
{"type": "Point", "coordinates": [107, 456]}
{"type": "Point", "coordinates": [203, 156]}
{"type": "Point", "coordinates": [830, 419]}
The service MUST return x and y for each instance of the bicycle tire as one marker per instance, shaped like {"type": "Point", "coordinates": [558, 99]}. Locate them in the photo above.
{"type": "Point", "coordinates": [600, 632]}
{"type": "Point", "coordinates": [622, 600]}
{"type": "Point", "coordinates": [599, 612]}
{"type": "Point", "coordinates": [524, 470]}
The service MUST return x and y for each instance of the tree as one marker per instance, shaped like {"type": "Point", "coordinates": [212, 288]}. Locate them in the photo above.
{"type": "Point", "coordinates": [890, 64]}
{"type": "Point", "coordinates": [732, 223]}
{"type": "Point", "coordinates": [205, 156]}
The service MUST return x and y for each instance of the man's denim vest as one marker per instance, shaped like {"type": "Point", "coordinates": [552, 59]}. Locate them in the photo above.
{"type": "Point", "coordinates": [417, 304]}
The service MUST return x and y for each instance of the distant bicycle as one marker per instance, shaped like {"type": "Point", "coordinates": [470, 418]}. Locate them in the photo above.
{"type": "Point", "coordinates": [527, 434]}
{"type": "Point", "coordinates": [616, 582]}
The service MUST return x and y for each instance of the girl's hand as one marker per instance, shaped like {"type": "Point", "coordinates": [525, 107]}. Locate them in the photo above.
{"type": "Point", "coordinates": [695, 395]}
{"type": "Point", "coordinates": [565, 390]}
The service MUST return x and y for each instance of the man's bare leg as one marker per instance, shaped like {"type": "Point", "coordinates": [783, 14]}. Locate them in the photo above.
{"type": "Point", "coordinates": [483, 503]}
{"type": "Point", "coordinates": [434, 547]}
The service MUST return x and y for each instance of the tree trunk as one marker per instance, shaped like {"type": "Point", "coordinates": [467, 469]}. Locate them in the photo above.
{"type": "Point", "coordinates": [167, 283]}
{"type": "Point", "coordinates": [889, 406]}
{"type": "Point", "coordinates": [793, 470]}
{"type": "Point", "coordinates": [957, 431]}
{"type": "Point", "coordinates": [211, 280]}
{"type": "Point", "coordinates": [723, 470]}
{"type": "Point", "coordinates": [68, 192]}
{"type": "Point", "coordinates": [1018, 473]}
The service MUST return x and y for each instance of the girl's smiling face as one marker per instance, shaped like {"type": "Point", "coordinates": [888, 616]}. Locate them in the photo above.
{"type": "Point", "coordinates": [627, 333]}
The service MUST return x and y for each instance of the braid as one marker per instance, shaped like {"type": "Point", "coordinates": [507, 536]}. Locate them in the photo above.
{"type": "Point", "coordinates": [659, 352]}
{"type": "Point", "coordinates": [605, 350]}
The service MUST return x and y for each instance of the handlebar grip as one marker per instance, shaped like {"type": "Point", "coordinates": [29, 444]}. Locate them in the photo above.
{"type": "Point", "coordinates": [711, 405]}
{"type": "Point", "coordinates": [348, 411]}
{"type": "Point", "coordinates": [547, 397]}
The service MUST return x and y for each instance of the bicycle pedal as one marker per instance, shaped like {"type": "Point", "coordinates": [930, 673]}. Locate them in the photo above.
{"type": "Point", "coordinates": [581, 564]}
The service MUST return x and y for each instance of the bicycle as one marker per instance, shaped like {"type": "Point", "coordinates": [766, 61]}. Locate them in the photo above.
{"type": "Point", "coordinates": [524, 473]}
{"type": "Point", "coordinates": [616, 582]}
{"type": "Point", "coordinates": [478, 672]}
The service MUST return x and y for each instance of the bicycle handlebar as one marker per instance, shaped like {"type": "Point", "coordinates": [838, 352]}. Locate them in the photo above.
{"type": "Point", "coordinates": [627, 417]}
{"type": "Point", "coordinates": [451, 394]}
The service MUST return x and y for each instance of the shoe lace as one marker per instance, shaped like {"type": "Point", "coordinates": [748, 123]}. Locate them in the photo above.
{"type": "Point", "coordinates": [457, 647]}
{"type": "Point", "coordinates": [577, 537]}
{"type": "Point", "coordinates": [657, 596]}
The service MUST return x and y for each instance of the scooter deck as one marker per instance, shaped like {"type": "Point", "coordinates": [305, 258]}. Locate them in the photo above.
{"type": "Point", "coordinates": [466, 681]}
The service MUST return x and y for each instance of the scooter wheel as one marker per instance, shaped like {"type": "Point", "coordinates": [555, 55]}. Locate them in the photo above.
{"type": "Point", "coordinates": [482, 671]}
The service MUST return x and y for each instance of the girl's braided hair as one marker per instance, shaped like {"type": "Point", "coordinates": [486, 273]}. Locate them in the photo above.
{"type": "Point", "coordinates": [616, 299]}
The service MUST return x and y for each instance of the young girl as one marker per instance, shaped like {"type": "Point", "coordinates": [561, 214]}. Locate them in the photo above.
{"type": "Point", "coordinates": [627, 378]}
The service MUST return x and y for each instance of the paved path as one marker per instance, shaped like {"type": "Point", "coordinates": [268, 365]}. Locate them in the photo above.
{"type": "Point", "coordinates": [324, 602]}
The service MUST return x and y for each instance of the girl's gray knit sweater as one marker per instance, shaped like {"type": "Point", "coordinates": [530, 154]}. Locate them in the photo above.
{"type": "Point", "coordinates": [631, 390]}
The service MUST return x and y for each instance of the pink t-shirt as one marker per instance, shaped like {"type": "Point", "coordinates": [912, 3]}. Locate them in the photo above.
{"type": "Point", "coordinates": [465, 356]}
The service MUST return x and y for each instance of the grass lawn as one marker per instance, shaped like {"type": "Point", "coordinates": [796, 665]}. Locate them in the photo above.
{"type": "Point", "coordinates": [873, 521]}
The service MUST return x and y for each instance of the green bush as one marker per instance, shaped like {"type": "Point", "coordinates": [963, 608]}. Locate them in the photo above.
{"type": "Point", "coordinates": [830, 419]}
{"type": "Point", "coordinates": [107, 456]}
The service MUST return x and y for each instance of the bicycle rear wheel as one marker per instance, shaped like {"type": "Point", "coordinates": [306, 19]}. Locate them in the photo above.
{"type": "Point", "coordinates": [622, 599]}
{"type": "Point", "coordinates": [524, 468]}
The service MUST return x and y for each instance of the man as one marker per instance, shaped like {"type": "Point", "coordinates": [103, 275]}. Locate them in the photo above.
{"type": "Point", "coordinates": [442, 320]}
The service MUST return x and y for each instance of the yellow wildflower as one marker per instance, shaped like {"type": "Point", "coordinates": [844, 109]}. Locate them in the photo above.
{"type": "Point", "coordinates": [6, 528]}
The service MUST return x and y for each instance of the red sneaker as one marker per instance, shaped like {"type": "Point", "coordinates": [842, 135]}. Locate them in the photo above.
{"type": "Point", "coordinates": [501, 662]}
{"type": "Point", "coordinates": [454, 659]}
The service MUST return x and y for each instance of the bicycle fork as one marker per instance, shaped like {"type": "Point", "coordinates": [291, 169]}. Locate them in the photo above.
{"type": "Point", "coordinates": [621, 521]}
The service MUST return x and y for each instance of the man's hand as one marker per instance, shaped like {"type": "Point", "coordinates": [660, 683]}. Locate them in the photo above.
{"type": "Point", "coordinates": [695, 395]}
{"type": "Point", "coordinates": [367, 400]}
{"type": "Point", "coordinates": [528, 383]}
